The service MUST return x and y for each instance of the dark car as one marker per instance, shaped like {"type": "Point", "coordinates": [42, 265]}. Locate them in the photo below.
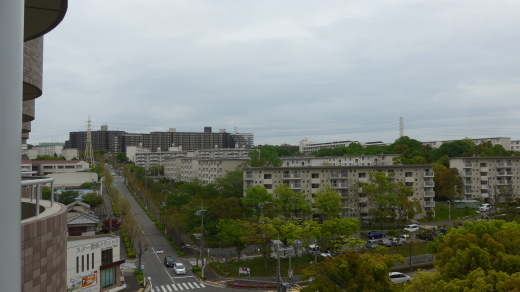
{"type": "Point", "coordinates": [169, 261]}
{"type": "Point", "coordinates": [424, 236]}
{"type": "Point", "coordinates": [376, 234]}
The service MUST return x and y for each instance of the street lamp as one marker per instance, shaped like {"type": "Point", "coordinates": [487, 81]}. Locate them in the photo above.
{"type": "Point", "coordinates": [150, 280]}
{"type": "Point", "coordinates": [201, 214]}
{"type": "Point", "coordinates": [449, 210]}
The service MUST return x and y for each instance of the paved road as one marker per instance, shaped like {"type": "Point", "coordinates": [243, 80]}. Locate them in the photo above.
{"type": "Point", "coordinates": [164, 279]}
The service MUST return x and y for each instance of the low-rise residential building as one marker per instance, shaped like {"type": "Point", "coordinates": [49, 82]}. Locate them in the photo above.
{"type": "Point", "coordinates": [45, 167]}
{"type": "Point", "coordinates": [307, 147]}
{"type": "Point", "coordinates": [309, 180]}
{"type": "Point", "coordinates": [211, 169]}
{"type": "Point", "coordinates": [93, 263]}
{"type": "Point", "coordinates": [483, 176]}
{"type": "Point", "coordinates": [354, 160]}
{"type": "Point", "coordinates": [81, 221]}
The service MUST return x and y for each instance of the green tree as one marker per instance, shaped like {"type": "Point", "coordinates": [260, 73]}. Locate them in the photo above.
{"type": "Point", "coordinates": [234, 233]}
{"type": "Point", "coordinates": [231, 185]}
{"type": "Point", "coordinates": [352, 271]}
{"type": "Point", "coordinates": [290, 203]}
{"type": "Point", "coordinates": [262, 157]}
{"type": "Point", "coordinates": [257, 200]}
{"type": "Point", "coordinates": [93, 199]}
{"type": "Point", "coordinates": [66, 197]}
{"type": "Point", "coordinates": [121, 157]}
{"type": "Point", "coordinates": [328, 203]}
{"type": "Point", "coordinates": [448, 182]}
{"type": "Point", "coordinates": [286, 230]}
{"type": "Point", "coordinates": [337, 232]}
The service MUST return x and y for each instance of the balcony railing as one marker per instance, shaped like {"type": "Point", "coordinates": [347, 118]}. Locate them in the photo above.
{"type": "Point", "coordinates": [504, 164]}
{"type": "Point", "coordinates": [429, 203]}
{"type": "Point", "coordinates": [467, 173]}
{"type": "Point", "coordinates": [467, 164]}
{"type": "Point", "coordinates": [36, 189]}
{"type": "Point", "coordinates": [429, 183]}
{"type": "Point", "coordinates": [338, 175]}
{"type": "Point", "coordinates": [296, 186]}
{"type": "Point", "coordinates": [429, 194]}
{"type": "Point", "coordinates": [428, 174]}
{"type": "Point", "coordinates": [505, 173]}
{"type": "Point", "coordinates": [339, 185]}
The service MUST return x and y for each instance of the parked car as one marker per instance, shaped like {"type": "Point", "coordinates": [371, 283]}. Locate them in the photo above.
{"type": "Point", "coordinates": [179, 269]}
{"type": "Point", "coordinates": [397, 277]}
{"type": "Point", "coordinates": [485, 207]}
{"type": "Point", "coordinates": [371, 243]}
{"type": "Point", "coordinates": [397, 241]}
{"type": "Point", "coordinates": [440, 231]}
{"type": "Point", "coordinates": [424, 236]}
{"type": "Point", "coordinates": [412, 228]}
{"type": "Point", "coordinates": [376, 234]}
{"type": "Point", "coordinates": [385, 242]}
{"type": "Point", "coordinates": [169, 261]}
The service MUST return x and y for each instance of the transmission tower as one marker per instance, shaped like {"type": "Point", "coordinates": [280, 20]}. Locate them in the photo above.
{"type": "Point", "coordinates": [401, 127]}
{"type": "Point", "coordinates": [89, 154]}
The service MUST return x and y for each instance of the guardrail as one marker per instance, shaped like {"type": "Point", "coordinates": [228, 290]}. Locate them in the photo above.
{"type": "Point", "coordinates": [34, 181]}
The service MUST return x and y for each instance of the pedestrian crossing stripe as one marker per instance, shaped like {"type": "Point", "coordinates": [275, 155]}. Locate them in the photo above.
{"type": "Point", "coordinates": [177, 287]}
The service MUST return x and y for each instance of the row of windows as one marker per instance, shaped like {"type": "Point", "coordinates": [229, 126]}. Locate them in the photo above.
{"type": "Point", "coordinates": [88, 263]}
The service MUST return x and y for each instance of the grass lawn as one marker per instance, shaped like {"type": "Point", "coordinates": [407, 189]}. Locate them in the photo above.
{"type": "Point", "coordinates": [258, 267]}
{"type": "Point", "coordinates": [443, 214]}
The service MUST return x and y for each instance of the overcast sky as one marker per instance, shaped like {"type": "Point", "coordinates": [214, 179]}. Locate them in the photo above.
{"type": "Point", "coordinates": [285, 70]}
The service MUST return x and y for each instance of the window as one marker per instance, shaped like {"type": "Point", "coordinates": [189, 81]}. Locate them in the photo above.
{"type": "Point", "coordinates": [82, 263]}
{"type": "Point", "coordinates": [362, 174]}
{"type": "Point", "coordinates": [267, 176]}
{"type": "Point", "coordinates": [315, 175]}
{"type": "Point", "coordinates": [106, 256]}
{"type": "Point", "coordinates": [108, 277]}
{"type": "Point", "coordinates": [77, 265]}
{"type": "Point", "coordinates": [92, 260]}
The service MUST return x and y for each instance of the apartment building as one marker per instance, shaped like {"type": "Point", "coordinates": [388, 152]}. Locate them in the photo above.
{"type": "Point", "coordinates": [118, 141]}
{"type": "Point", "coordinates": [354, 160]}
{"type": "Point", "coordinates": [504, 141]}
{"type": "Point", "coordinates": [189, 169]}
{"type": "Point", "coordinates": [515, 145]}
{"type": "Point", "coordinates": [307, 147]}
{"type": "Point", "coordinates": [482, 176]}
{"type": "Point", "coordinates": [211, 169]}
{"type": "Point", "coordinates": [310, 179]}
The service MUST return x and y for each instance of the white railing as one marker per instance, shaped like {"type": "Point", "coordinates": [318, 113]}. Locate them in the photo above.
{"type": "Point", "coordinates": [36, 188]}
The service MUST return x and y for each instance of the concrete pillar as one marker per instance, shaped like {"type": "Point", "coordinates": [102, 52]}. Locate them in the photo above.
{"type": "Point", "coordinates": [11, 78]}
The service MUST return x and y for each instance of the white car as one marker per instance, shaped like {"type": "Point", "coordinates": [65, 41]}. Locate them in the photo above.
{"type": "Point", "coordinates": [411, 228]}
{"type": "Point", "coordinates": [397, 277]}
{"type": "Point", "coordinates": [485, 207]}
{"type": "Point", "coordinates": [179, 269]}
{"type": "Point", "coordinates": [159, 251]}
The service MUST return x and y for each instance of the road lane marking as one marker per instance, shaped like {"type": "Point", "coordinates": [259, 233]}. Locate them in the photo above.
{"type": "Point", "coordinates": [164, 289]}
{"type": "Point", "coordinates": [196, 285]}
{"type": "Point", "coordinates": [180, 286]}
{"type": "Point", "coordinates": [191, 286]}
{"type": "Point", "coordinates": [202, 285]}
{"type": "Point", "coordinates": [169, 289]}
{"type": "Point", "coordinates": [185, 286]}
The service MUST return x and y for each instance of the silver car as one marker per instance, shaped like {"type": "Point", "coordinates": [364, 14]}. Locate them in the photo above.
{"type": "Point", "coordinates": [397, 277]}
{"type": "Point", "coordinates": [179, 269]}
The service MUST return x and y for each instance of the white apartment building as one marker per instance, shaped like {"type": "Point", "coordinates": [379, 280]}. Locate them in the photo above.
{"type": "Point", "coordinates": [189, 169]}
{"type": "Point", "coordinates": [93, 263]}
{"type": "Point", "coordinates": [504, 141]}
{"type": "Point", "coordinates": [484, 175]}
{"type": "Point", "coordinates": [50, 149]}
{"type": "Point", "coordinates": [307, 147]}
{"type": "Point", "coordinates": [354, 160]}
{"type": "Point", "coordinates": [211, 169]}
{"type": "Point", "coordinates": [515, 145]}
{"type": "Point", "coordinates": [344, 179]}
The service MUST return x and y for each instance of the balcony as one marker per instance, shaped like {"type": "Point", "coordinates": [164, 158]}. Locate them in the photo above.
{"type": "Point", "coordinates": [339, 185]}
{"type": "Point", "coordinates": [504, 164]}
{"type": "Point", "coordinates": [429, 204]}
{"type": "Point", "coordinates": [248, 176]}
{"type": "Point", "coordinates": [409, 179]}
{"type": "Point", "coordinates": [467, 165]}
{"type": "Point", "coordinates": [467, 173]}
{"type": "Point", "coordinates": [468, 191]}
{"type": "Point", "coordinates": [296, 186]}
{"type": "Point", "coordinates": [428, 174]}
{"type": "Point", "coordinates": [429, 184]}
{"type": "Point", "coordinates": [468, 183]}
{"type": "Point", "coordinates": [338, 175]}
{"type": "Point", "coordinates": [504, 182]}
{"type": "Point", "coordinates": [429, 194]}
{"type": "Point", "coordinates": [504, 173]}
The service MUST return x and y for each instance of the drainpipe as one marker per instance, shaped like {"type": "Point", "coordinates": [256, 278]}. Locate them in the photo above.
{"type": "Point", "coordinates": [11, 70]}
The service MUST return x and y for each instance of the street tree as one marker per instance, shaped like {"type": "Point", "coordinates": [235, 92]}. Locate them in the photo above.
{"type": "Point", "coordinates": [235, 233]}
{"type": "Point", "coordinates": [328, 203]}
{"type": "Point", "coordinates": [110, 225]}
{"type": "Point", "coordinates": [336, 232]}
{"type": "Point", "coordinates": [286, 230]}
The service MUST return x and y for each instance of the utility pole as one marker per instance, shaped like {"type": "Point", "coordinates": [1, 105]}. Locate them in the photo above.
{"type": "Point", "coordinates": [89, 153]}
{"type": "Point", "coordinates": [201, 214]}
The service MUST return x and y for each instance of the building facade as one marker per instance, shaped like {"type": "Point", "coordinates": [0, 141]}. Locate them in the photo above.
{"type": "Point", "coordinates": [93, 263]}
{"type": "Point", "coordinates": [504, 141]}
{"type": "Point", "coordinates": [211, 169]}
{"type": "Point", "coordinates": [308, 180]}
{"type": "Point", "coordinates": [483, 177]}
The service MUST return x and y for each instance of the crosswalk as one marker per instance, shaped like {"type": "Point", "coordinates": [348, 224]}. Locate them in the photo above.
{"type": "Point", "coordinates": [177, 287]}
